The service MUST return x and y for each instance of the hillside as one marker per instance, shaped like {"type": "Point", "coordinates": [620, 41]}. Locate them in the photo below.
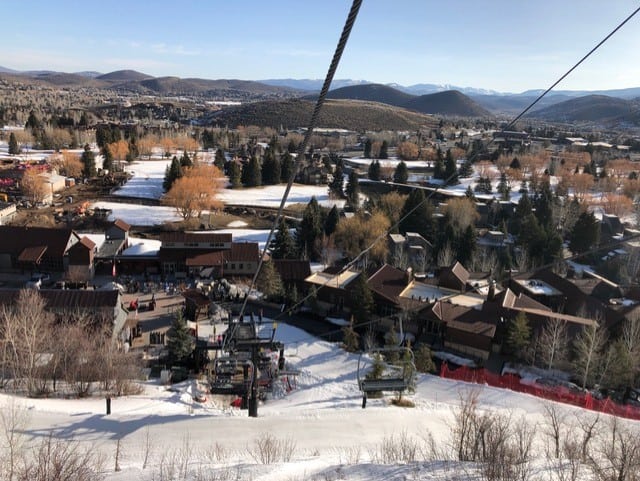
{"type": "Point", "coordinates": [338, 114]}
{"type": "Point", "coordinates": [124, 76]}
{"type": "Point", "coordinates": [450, 102]}
{"type": "Point", "coordinates": [372, 93]}
{"type": "Point", "coordinates": [591, 108]}
{"type": "Point", "coordinates": [514, 104]}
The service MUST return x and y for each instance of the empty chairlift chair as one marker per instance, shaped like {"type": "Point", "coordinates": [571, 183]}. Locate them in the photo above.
{"type": "Point", "coordinates": [388, 369]}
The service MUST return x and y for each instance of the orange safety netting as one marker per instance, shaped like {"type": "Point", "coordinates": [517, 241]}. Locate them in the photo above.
{"type": "Point", "coordinates": [554, 393]}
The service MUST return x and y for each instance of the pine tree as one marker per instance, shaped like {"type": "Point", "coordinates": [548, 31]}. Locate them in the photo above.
{"type": "Point", "coordinates": [180, 343]}
{"type": "Point", "coordinates": [220, 159]}
{"type": "Point", "coordinates": [466, 245]}
{"type": "Point", "coordinates": [361, 299]}
{"type": "Point", "coordinates": [331, 222]}
{"type": "Point", "coordinates": [450, 169]}
{"type": "Point", "coordinates": [466, 170]}
{"type": "Point", "coordinates": [172, 173]}
{"type": "Point", "coordinates": [374, 170]}
{"type": "Point", "coordinates": [14, 148]}
{"type": "Point", "coordinates": [401, 174]}
{"type": "Point", "coordinates": [423, 360]}
{"type": "Point", "coordinates": [309, 230]}
{"type": "Point", "coordinates": [350, 338]}
{"type": "Point", "coordinates": [185, 160]}
{"type": "Point", "coordinates": [107, 159]}
{"type": "Point", "coordinates": [283, 245]}
{"type": "Point", "coordinates": [585, 233]}
{"type": "Point", "coordinates": [367, 149]}
{"type": "Point", "coordinates": [336, 185]}
{"type": "Point", "coordinates": [287, 166]}
{"type": "Point", "coordinates": [503, 187]}
{"type": "Point", "coordinates": [33, 123]}
{"type": "Point", "coordinates": [518, 335]}
{"type": "Point", "coordinates": [88, 160]}
{"type": "Point", "coordinates": [353, 190]}
{"type": "Point", "coordinates": [438, 168]}
{"type": "Point", "coordinates": [269, 282]}
{"type": "Point", "coordinates": [469, 193]}
{"type": "Point", "coordinates": [417, 215]}
{"type": "Point", "coordinates": [234, 171]}
{"type": "Point", "coordinates": [252, 173]}
{"type": "Point", "coordinates": [271, 168]}
{"type": "Point", "coordinates": [384, 150]}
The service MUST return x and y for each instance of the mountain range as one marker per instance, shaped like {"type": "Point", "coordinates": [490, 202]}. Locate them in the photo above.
{"type": "Point", "coordinates": [608, 106]}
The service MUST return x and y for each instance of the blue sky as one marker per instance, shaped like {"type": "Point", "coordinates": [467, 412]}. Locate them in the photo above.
{"type": "Point", "coordinates": [505, 45]}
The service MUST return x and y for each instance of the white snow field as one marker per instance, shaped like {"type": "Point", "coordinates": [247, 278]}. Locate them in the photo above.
{"type": "Point", "coordinates": [328, 433]}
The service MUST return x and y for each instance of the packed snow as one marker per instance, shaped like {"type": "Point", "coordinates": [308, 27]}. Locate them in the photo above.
{"type": "Point", "coordinates": [329, 434]}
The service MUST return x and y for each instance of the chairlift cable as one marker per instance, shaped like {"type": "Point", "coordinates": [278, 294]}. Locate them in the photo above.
{"type": "Point", "coordinates": [437, 188]}
{"type": "Point", "coordinates": [351, 18]}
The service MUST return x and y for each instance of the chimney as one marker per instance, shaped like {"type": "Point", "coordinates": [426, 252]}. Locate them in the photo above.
{"type": "Point", "coordinates": [408, 275]}
{"type": "Point", "coordinates": [492, 290]}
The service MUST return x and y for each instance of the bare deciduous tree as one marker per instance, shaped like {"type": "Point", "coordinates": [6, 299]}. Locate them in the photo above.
{"type": "Point", "coordinates": [587, 351]}
{"type": "Point", "coordinates": [553, 342]}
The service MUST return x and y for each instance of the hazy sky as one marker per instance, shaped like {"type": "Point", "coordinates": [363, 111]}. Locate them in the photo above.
{"type": "Point", "coordinates": [505, 45]}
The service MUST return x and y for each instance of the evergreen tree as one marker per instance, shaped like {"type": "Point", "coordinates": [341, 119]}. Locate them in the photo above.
{"type": "Point", "coordinates": [450, 169]}
{"type": "Point", "coordinates": [374, 170]}
{"type": "Point", "coordinates": [367, 149]}
{"type": "Point", "coordinates": [269, 282]}
{"type": "Point", "coordinates": [220, 159]}
{"type": "Point", "coordinates": [543, 203]}
{"type": "Point", "coordinates": [180, 343]}
{"type": "Point", "coordinates": [466, 170]}
{"type": "Point", "coordinates": [518, 336]}
{"type": "Point", "coordinates": [252, 173]}
{"type": "Point", "coordinates": [424, 360]}
{"type": "Point", "coordinates": [271, 169]}
{"type": "Point", "coordinates": [353, 190]}
{"type": "Point", "coordinates": [467, 245]}
{"type": "Point", "coordinates": [438, 168]}
{"type": "Point", "coordinates": [523, 209]}
{"type": "Point", "coordinates": [484, 185]}
{"type": "Point", "coordinates": [88, 160]}
{"type": "Point", "coordinates": [384, 150]}
{"type": "Point", "coordinates": [14, 148]}
{"type": "Point", "coordinates": [350, 338]}
{"type": "Point", "coordinates": [185, 160]}
{"type": "Point", "coordinates": [33, 122]}
{"type": "Point", "coordinates": [361, 299]}
{"type": "Point", "coordinates": [287, 167]}
{"type": "Point", "coordinates": [503, 187]}
{"type": "Point", "coordinates": [417, 215]}
{"type": "Point", "coordinates": [309, 230]}
{"type": "Point", "coordinates": [283, 245]}
{"type": "Point", "coordinates": [469, 193]}
{"type": "Point", "coordinates": [585, 233]}
{"type": "Point", "coordinates": [401, 174]}
{"type": "Point", "coordinates": [515, 163]}
{"type": "Point", "coordinates": [172, 173]}
{"type": "Point", "coordinates": [331, 222]}
{"type": "Point", "coordinates": [107, 159]}
{"type": "Point", "coordinates": [336, 185]}
{"type": "Point", "coordinates": [234, 171]}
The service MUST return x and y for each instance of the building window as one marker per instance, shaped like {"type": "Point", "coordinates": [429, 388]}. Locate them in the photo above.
{"type": "Point", "coordinates": [240, 266]}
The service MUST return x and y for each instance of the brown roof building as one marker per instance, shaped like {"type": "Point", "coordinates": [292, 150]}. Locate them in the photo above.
{"type": "Point", "coordinates": [36, 248]}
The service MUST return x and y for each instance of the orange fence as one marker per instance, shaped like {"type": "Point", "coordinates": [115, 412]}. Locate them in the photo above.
{"type": "Point", "coordinates": [555, 393]}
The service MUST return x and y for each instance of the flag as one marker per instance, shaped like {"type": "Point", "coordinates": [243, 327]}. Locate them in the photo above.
{"type": "Point", "coordinates": [113, 270]}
